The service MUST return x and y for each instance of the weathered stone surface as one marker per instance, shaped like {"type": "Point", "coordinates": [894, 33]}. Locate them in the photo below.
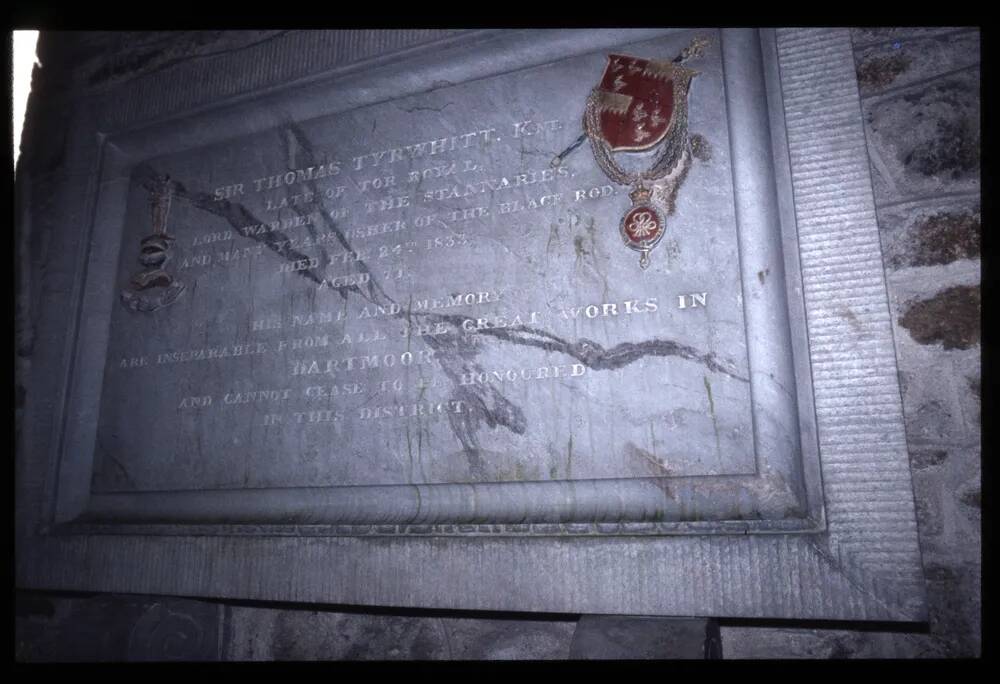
{"type": "Point", "coordinates": [116, 628]}
{"type": "Point", "coordinates": [509, 639]}
{"type": "Point", "coordinates": [101, 59]}
{"type": "Point", "coordinates": [969, 491]}
{"type": "Point", "coordinates": [974, 385]}
{"type": "Point", "coordinates": [937, 384]}
{"type": "Point", "coordinates": [954, 597]}
{"type": "Point", "coordinates": [907, 60]}
{"type": "Point", "coordinates": [388, 281]}
{"type": "Point", "coordinates": [877, 71]}
{"type": "Point", "coordinates": [301, 635]}
{"type": "Point", "coordinates": [934, 421]}
{"type": "Point", "coordinates": [927, 458]}
{"type": "Point", "coordinates": [949, 494]}
{"type": "Point", "coordinates": [925, 139]}
{"type": "Point", "coordinates": [930, 232]}
{"type": "Point", "coordinates": [951, 318]}
{"type": "Point", "coordinates": [763, 642]}
{"type": "Point", "coordinates": [933, 399]}
{"type": "Point", "coordinates": [421, 640]}
{"type": "Point", "coordinates": [930, 244]}
{"type": "Point", "coordinates": [612, 637]}
{"type": "Point", "coordinates": [968, 371]}
{"type": "Point", "coordinates": [863, 37]}
{"type": "Point", "coordinates": [928, 499]}
{"type": "Point", "coordinates": [279, 634]}
{"type": "Point", "coordinates": [140, 52]}
{"type": "Point", "coordinates": [973, 497]}
{"type": "Point", "coordinates": [742, 643]}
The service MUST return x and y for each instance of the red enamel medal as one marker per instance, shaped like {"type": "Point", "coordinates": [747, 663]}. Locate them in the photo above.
{"type": "Point", "coordinates": [642, 227]}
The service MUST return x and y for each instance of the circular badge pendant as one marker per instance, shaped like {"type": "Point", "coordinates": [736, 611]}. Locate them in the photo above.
{"type": "Point", "coordinates": [641, 228]}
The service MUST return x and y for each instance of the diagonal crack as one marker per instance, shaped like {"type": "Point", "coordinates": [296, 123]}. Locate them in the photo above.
{"type": "Point", "coordinates": [490, 405]}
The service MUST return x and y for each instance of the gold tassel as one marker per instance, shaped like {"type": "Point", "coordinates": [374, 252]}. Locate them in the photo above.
{"type": "Point", "coordinates": [695, 49]}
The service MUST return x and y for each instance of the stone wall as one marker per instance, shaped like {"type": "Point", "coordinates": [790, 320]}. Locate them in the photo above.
{"type": "Point", "coordinates": [920, 101]}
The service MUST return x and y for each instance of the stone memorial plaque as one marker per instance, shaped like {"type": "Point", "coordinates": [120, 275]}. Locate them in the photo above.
{"type": "Point", "coordinates": [426, 291]}
{"type": "Point", "coordinates": [410, 293]}
{"type": "Point", "coordinates": [510, 298]}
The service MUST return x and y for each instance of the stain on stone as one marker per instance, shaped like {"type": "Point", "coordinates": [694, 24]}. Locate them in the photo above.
{"type": "Point", "coordinates": [928, 517]}
{"type": "Point", "coordinates": [973, 498]}
{"type": "Point", "coordinates": [647, 462]}
{"type": "Point", "coordinates": [553, 236]}
{"type": "Point", "coordinates": [851, 318]}
{"type": "Point", "coordinates": [880, 70]}
{"type": "Point", "coordinates": [671, 249]}
{"type": "Point", "coordinates": [700, 148]}
{"type": "Point", "coordinates": [425, 644]}
{"type": "Point", "coordinates": [928, 137]}
{"type": "Point", "coordinates": [793, 512]}
{"type": "Point", "coordinates": [953, 608]}
{"type": "Point", "coordinates": [939, 573]}
{"type": "Point", "coordinates": [904, 381]}
{"type": "Point", "coordinates": [518, 473]}
{"type": "Point", "coordinates": [951, 317]}
{"type": "Point", "coordinates": [974, 385]}
{"type": "Point", "coordinates": [954, 152]}
{"type": "Point", "coordinates": [951, 146]}
{"type": "Point", "coordinates": [932, 421]}
{"type": "Point", "coordinates": [841, 650]}
{"type": "Point", "coordinates": [715, 420]}
{"type": "Point", "coordinates": [926, 459]}
{"type": "Point", "coordinates": [974, 388]}
{"type": "Point", "coordinates": [941, 239]}
{"type": "Point", "coordinates": [762, 275]}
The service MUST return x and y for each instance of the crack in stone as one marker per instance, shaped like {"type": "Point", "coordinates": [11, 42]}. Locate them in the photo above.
{"type": "Point", "coordinates": [596, 357]}
{"type": "Point", "coordinates": [492, 408]}
{"type": "Point", "coordinates": [410, 110]}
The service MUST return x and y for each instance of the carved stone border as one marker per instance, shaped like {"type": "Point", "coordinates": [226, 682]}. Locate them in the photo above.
{"type": "Point", "coordinates": [865, 566]}
{"type": "Point", "coordinates": [867, 486]}
{"type": "Point", "coordinates": [781, 494]}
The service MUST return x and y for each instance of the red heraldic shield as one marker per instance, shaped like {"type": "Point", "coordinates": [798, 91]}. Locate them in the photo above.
{"type": "Point", "coordinates": [641, 102]}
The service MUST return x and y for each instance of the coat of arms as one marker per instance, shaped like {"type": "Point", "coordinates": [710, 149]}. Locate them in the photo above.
{"type": "Point", "coordinates": [640, 105]}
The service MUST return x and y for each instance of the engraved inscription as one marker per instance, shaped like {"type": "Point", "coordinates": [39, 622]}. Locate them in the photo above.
{"type": "Point", "coordinates": [692, 301]}
{"type": "Point", "coordinates": [410, 293]}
